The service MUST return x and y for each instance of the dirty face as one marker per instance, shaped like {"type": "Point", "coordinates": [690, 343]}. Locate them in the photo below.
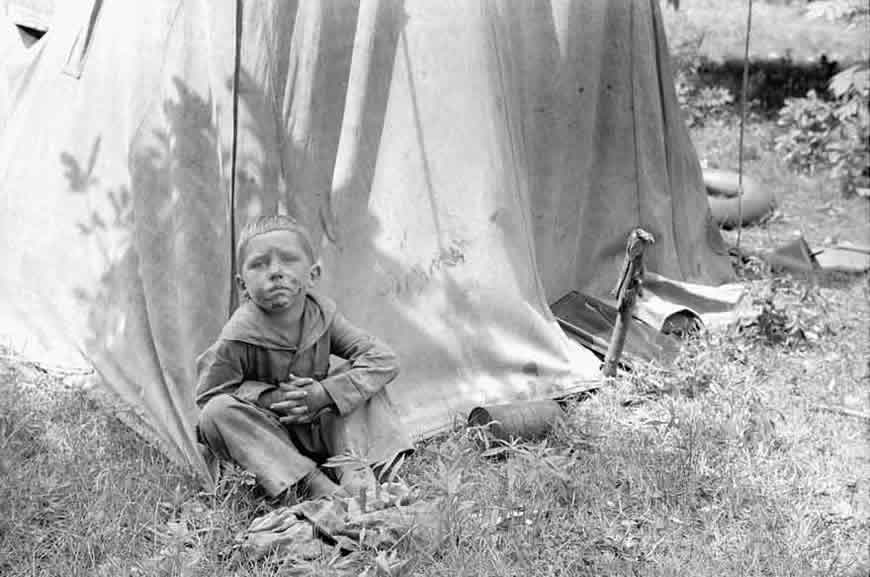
{"type": "Point", "coordinates": [277, 271]}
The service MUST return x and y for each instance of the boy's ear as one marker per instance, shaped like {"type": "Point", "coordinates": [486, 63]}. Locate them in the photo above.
{"type": "Point", "coordinates": [240, 282]}
{"type": "Point", "coordinates": [315, 272]}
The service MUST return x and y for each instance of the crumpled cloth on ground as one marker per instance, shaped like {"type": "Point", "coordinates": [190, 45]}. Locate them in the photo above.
{"type": "Point", "coordinates": [379, 517]}
{"type": "Point", "coordinates": [666, 302]}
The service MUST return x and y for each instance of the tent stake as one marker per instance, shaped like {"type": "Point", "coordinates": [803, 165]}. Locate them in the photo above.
{"type": "Point", "coordinates": [629, 287]}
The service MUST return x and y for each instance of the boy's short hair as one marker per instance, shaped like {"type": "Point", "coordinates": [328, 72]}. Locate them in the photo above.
{"type": "Point", "coordinates": [270, 223]}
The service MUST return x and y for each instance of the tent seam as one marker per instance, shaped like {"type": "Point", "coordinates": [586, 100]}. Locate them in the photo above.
{"type": "Point", "coordinates": [523, 201]}
{"type": "Point", "coordinates": [138, 130]}
{"type": "Point", "coordinates": [133, 138]}
{"type": "Point", "coordinates": [666, 129]}
{"type": "Point", "coordinates": [231, 212]}
{"type": "Point", "coordinates": [631, 72]}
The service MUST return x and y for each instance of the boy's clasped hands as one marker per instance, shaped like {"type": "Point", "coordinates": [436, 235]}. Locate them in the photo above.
{"type": "Point", "coordinates": [298, 400]}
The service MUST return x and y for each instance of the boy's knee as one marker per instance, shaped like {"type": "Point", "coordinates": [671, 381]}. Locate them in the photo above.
{"type": "Point", "coordinates": [216, 410]}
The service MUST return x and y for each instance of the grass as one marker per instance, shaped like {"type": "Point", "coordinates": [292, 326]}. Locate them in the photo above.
{"type": "Point", "coordinates": [812, 206]}
{"type": "Point", "coordinates": [715, 468]}
{"type": "Point", "coordinates": [720, 466]}
{"type": "Point", "coordinates": [727, 463]}
{"type": "Point", "coordinates": [717, 28]}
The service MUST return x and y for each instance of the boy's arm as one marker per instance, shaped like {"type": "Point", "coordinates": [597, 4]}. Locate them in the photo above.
{"type": "Point", "coordinates": [220, 370]}
{"type": "Point", "coordinates": [372, 365]}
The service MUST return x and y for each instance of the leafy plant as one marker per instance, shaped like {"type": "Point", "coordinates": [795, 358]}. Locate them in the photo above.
{"type": "Point", "coordinates": [831, 134]}
{"type": "Point", "coordinates": [700, 104]}
{"type": "Point", "coordinates": [838, 10]}
{"type": "Point", "coordinates": [773, 326]}
{"type": "Point", "coordinates": [704, 105]}
{"type": "Point", "coordinates": [808, 124]}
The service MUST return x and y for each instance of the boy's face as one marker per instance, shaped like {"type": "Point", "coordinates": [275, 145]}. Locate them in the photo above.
{"type": "Point", "coordinates": [277, 271]}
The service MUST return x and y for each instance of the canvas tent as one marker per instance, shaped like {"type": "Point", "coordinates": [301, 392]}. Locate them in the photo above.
{"type": "Point", "coordinates": [464, 163]}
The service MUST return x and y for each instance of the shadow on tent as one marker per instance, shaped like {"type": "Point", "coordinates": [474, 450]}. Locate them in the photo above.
{"type": "Point", "coordinates": [359, 228]}
{"type": "Point", "coordinates": [167, 286]}
{"type": "Point", "coordinates": [166, 251]}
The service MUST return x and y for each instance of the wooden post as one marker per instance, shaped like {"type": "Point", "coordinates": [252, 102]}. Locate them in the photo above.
{"type": "Point", "coordinates": [626, 291]}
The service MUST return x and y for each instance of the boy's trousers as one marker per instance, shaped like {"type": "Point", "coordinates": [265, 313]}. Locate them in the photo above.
{"type": "Point", "coordinates": [253, 437]}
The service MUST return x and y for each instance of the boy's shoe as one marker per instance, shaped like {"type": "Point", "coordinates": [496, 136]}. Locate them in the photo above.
{"type": "Point", "coordinates": [318, 485]}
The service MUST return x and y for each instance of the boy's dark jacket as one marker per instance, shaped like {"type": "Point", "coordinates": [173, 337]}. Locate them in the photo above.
{"type": "Point", "coordinates": [252, 356]}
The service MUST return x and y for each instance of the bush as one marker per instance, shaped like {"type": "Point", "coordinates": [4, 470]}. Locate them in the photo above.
{"type": "Point", "coordinates": [700, 104]}
{"type": "Point", "coordinates": [830, 134]}
{"type": "Point", "coordinates": [838, 10]}
{"type": "Point", "coordinates": [704, 105]}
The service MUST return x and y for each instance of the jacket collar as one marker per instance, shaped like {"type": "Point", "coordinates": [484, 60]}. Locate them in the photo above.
{"type": "Point", "coordinates": [249, 324]}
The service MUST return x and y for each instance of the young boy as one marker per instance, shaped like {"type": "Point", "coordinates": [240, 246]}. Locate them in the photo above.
{"type": "Point", "coordinates": [268, 400]}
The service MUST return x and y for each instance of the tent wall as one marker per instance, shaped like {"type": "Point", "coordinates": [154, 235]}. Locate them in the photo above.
{"type": "Point", "coordinates": [610, 150]}
{"type": "Point", "coordinates": [463, 163]}
{"type": "Point", "coordinates": [114, 207]}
